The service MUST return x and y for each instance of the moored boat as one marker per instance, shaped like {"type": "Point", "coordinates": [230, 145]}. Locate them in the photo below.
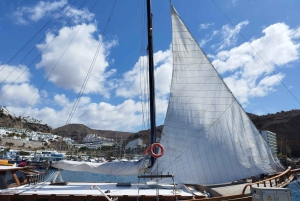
{"type": "Point", "coordinates": [209, 147]}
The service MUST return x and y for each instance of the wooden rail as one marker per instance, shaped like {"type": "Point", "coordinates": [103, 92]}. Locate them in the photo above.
{"type": "Point", "coordinates": [295, 170]}
{"type": "Point", "coordinates": [278, 179]}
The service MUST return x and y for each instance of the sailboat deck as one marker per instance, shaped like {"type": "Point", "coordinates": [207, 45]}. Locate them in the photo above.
{"type": "Point", "coordinates": [85, 189]}
{"type": "Point", "coordinates": [231, 189]}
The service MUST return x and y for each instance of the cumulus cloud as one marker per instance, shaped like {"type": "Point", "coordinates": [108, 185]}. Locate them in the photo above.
{"type": "Point", "coordinates": [14, 74]}
{"type": "Point", "coordinates": [125, 116]}
{"type": "Point", "coordinates": [68, 60]}
{"type": "Point", "coordinates": [34, 13]}
{"type": "Point", "coordinates": [27, 14]}
{"type": "Point", "coordinates": [19, 95]}
{"type": "Point", "coordinates": [250, 75]}
{"type": "Point", "coordinates": [136, 80]}
{"type": "Point", "coordinates": [79, 16]}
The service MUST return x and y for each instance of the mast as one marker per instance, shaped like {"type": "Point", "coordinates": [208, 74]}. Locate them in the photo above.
{"type": "Point", "coordinates": [151, 77]}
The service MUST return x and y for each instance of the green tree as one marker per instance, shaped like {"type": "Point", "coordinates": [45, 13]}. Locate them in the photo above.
{"type": "Point", "coordinates": [11, 134]}
{"type": "Point", "coordinates": [9, 144]}
{"type": "Point", "coordinates": [83, 149]}
{"type": "Point", "coordinates": [24, 153]}
{"type": "Point", "coordinates": [23, 136]}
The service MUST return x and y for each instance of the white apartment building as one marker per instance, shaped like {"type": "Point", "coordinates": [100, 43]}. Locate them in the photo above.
{"type": "Point", "coordinates": [270, 138]}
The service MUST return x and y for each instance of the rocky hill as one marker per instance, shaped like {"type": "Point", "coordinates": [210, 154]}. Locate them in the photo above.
{"type": "Point", "coordinates": [19, 123]}
{"type": "Point", "coordinates": [144, 135]}
{"type": "Point", "coordinates": [78, 131]}
{"type": "Point", "coordinates": [286, 124]}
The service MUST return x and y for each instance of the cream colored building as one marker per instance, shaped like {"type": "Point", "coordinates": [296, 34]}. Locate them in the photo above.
{"type": "Point", "coordinates": [270, 138]}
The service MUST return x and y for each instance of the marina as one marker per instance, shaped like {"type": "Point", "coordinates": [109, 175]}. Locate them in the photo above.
{"type": "Point", "coordinates": [209, 148]}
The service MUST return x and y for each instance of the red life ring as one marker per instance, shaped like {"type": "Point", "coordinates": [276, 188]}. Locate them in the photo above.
{"type": "Point", "coordinates": [162, 150]}
{"type": "Point", "coordinates": [146, 151]}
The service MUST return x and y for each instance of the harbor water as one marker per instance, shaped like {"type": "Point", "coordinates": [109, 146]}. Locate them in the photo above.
{"type": "Point", "coordinates": [295, 188]}
{"type": "Point", "coordinates": [71, 176]}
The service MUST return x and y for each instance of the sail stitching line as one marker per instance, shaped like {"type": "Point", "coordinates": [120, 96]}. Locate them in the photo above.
{"type": "Point", "coordinates": [251, 147]}
{"type": "Point", "coordinates": [217, 119]}
{"type": "Point", "coordinates": [233, 97]}
{"type": "Point", "coordinates": [201, 165]}
{"type": "Point", "coordinates": [240, 142]}
{"type": "Point", "coordinates": [232, 141]}
{"type": "Point", "coordinates": [222, 159]}
{"type": "Point", "coordinates": [230, 159]}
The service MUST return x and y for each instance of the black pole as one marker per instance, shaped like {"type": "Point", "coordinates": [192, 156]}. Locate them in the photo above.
{"type": "Point", "coordinates": [151, 77]}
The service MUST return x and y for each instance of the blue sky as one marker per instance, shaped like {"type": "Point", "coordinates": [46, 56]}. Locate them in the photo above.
{"type": "Point", "coordinates": [48, 47]}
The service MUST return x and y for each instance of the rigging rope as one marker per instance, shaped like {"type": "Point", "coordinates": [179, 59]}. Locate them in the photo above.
{"type": "Point", "coordinates": [57, 60]}
{"type": "Point", "coordinates": [59, 19]}
{"type": "Point", "coordinates": [91, 67]}
{"type": "Point", "coordinates": [143, 72]}
{"type": "Point", "coordinates": [34, 37]}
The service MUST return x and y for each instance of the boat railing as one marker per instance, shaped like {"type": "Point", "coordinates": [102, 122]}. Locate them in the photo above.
{"type": "Point", "coordinates": [279, 180]}
{"type": "Point", "coordinates": [33, 176]}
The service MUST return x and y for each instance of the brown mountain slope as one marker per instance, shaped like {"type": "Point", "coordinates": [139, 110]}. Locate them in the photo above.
{"type": "Point", "coordinates": [286, 124]}
{"type": "Point", "coordinates": [144, 135]}
{"type": "Point", "coordinates": [78, 131]}
{"type": "Point", "coordinates": [16, 122]}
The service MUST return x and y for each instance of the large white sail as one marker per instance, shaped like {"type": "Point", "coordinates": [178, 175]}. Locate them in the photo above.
{"type": "Point", "coordinates": [207, 136]}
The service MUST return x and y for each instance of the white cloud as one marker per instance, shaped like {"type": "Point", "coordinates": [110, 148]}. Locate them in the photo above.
{"type": "Point", "coordinates": [79, 16]}
{"type": "Point", "coordinates": [35, 13]}
{"type": "Point", "coordinates": [250, 76]}
{"type": "Point", "coordinates": [125, 116]}
{"type": "Point", "coordinates": [229, 35]}
{"type": "Point", "coordinates": [208, 38]}
{"type": "Point", "coordinates": [42, 9]}
{"type": "Point", "coordinates": [136, 80]}
{"type": "Point", "coordinates": [19, 95]}
{"type": "Point", "coordinates": [205, 26]}
{"type": "Point", "coordinates": [14, 74]}
{"type": "Point", "coordinates": [266, 85]}
{"type": "Point", "coordinates": [69, 67]}
{"type": "Point", "coordinates": [61, 100]}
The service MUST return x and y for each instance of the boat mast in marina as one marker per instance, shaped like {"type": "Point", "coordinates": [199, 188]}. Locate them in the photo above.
{"type": "Point", "coordinates": [208, 138]}
{"type": "Point", "coordinates": [151, 77]}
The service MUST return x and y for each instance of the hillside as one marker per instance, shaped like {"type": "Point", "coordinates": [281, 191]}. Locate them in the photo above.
{"type": "Point", "coordinates": [286, 124]}
{"type": "Point", "coordinates": [144, 135]}
{"type": "Point", "coordinates": [16, 122]}
{"type": "Point", "coordinates": [78, 131]}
